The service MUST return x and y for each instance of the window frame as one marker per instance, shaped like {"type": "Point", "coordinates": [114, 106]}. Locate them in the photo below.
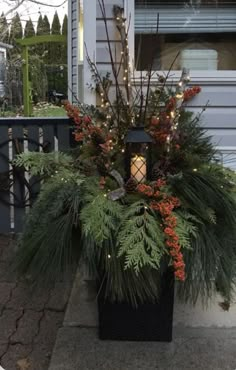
{"type": "Point", "coordinates": [197, 76]}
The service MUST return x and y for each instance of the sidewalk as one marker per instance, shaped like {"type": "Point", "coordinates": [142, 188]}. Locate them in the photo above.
{"type": "Point", "coordinates": [29, 320]}
{"type": "Point", "coordinates": [78, 347]}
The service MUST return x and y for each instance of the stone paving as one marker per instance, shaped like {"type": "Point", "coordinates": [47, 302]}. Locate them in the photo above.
{"type": "Point", "coordinates": [29, 320]}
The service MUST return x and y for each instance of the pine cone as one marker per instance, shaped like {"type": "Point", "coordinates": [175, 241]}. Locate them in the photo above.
{"type": "Point", "coordinates": [97, 138]}
{"type": "Point", "coordinates": [131, 185]}
{"type": "Point", "coordinates": [157, 172]}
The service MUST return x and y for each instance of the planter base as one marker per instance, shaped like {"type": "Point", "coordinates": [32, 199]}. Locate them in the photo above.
{"type": "Point", "coordinates": [147, 322]}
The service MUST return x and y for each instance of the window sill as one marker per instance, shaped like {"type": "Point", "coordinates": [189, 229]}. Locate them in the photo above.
{"type": "Point", "coordinates": [199, 77]}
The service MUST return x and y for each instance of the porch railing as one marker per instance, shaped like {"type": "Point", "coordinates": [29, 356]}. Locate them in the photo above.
{"type": "Point", "coordinates": [19, 135]}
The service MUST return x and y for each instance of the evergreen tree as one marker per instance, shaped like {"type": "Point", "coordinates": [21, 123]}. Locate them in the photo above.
{"type": "Point", "coordinates": [56, 25]}
{"type": "Point", "coordinates": [29, 29]}
{"type": "Point", "coordinates": [55, 55]}
{"type": "Point", "coordinates": [40, 48]}
{"type": "Point", "coordinates": [40, 25]}
{"type": "Point", "coordinates": [16, 31]}
{"type": "Point", "coordinates": [64, 79]}
{"type": "Point", "coordinates": [45, 26]}
{"type": "Point", "coordinates": [4, 32]}
{"type": "Point", "coordinates": [64, 46]}
{"type": "Point", "coordinates": [65, 25]}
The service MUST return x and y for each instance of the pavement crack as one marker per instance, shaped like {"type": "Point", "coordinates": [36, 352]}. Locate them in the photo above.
{"type": "Point", "coordinates": [11, 335]}
{"type": "Point", "coordinates": [9, 299]}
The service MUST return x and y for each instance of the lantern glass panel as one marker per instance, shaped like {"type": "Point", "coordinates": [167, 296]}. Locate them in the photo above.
{"type": "Point", "coordinates": [138, 168]}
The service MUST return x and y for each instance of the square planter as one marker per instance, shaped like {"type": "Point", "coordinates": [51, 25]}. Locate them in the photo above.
{"type": "Point", "coordinates": [147, 322]}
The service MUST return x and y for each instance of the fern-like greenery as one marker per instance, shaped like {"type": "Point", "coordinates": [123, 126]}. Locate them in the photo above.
{"type": "Point", "coordinates": [100, 218]}
{"type": "Point", "coordinates": [186, 228]}
{"type": "Point", "coordinates": [44, 164]}
{"type": "Point", "coordinates": [141, 238]}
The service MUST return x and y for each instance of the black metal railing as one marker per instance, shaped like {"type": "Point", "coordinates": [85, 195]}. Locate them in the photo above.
{"type": "Point", "coordinates": [17, 189]}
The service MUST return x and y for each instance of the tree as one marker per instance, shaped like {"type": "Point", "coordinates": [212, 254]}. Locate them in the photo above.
{"type": "Point", "coordinates": [46, 26]}
{"type": "Point", "coordinates": [4, 31]}
{"type": "Point", "coordinates": [40, 25]}
{"type": "Point", "coordinates": [16, 31]}
{"type": "Point", "coordinates": [56, 25]}
{"type": "Point", "coordinates": [29, 29]}
{"type": "Point", "coordinates": [65, 25]}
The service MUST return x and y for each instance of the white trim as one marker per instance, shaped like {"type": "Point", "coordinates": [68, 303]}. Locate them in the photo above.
{"type": "Point", "coordinates": [89, 9]}
{"type": "Point", "coordinates": [69, 50]}
{"type": "Point", "coordinates": [226, 148]}
{"type": "Point", "coordinates": [203, 77]}
{"type": "Point", "coordinates": [129, 12]}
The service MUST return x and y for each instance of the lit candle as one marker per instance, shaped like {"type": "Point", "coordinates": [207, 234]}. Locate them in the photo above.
{"type": "Point", "coordinates": [139, 168]}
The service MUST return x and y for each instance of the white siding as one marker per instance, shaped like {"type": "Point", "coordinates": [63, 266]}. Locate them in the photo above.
{"type": "Point", "coordinates": [103, 58]}
{"type": "Point", "coordinates": [73, 49]}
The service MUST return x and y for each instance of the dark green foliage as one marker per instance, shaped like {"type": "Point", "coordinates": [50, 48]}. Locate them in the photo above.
{"type": "Point", "coordinates": [40, 24]}
{"type": "Point", "coordinates": [50, 244]}
{"type": "Point", "coordinates": [65, 25]}
{"type": "Point", "coordinates": [16, 31]}
{"type": "Point", "coordinates": [4, 29]}
{"type": "Point", "coordinates": [56, 25]}
{"type": "Point", "coordinates": [29, 29]}
{"type": "Point", "coordinates": [45, 26]}
{"type": "Point", "coordinates": [210, 263]}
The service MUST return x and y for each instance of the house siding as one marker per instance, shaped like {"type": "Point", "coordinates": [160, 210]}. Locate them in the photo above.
{"type": "Point", "coordinates": [73, 22]}
{"type": "Point", "coordinates": [102, 53]}
{"type": "Point", "coordinates": [219, 118]}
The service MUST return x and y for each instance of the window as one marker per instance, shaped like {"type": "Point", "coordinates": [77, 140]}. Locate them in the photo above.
{"type": "Point", "coordinates": [201, 33]}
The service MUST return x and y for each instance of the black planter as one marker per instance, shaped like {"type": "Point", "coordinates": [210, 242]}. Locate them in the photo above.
{"type": "Point", "coordinates": [147, 322]}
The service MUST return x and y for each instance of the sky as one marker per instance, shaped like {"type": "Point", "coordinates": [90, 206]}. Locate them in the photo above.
{"type": "Point", "coordinates": [28, 9]}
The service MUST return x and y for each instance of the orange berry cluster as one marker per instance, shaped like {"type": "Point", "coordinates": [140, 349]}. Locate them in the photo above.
{"type": "Point", "coordinates": [85, 128]}
{"type": "Point", "coordinates": [164, 204]}
{"type": "Point", "coordinates": [191, 92]}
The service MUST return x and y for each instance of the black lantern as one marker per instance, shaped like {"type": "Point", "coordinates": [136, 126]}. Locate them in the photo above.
{"type": "Point", "coordinates": [138, 154]}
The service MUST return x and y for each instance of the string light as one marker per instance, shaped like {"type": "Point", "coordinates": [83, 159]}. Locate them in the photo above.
{"type": "Point", "coordinates": [179, 95]}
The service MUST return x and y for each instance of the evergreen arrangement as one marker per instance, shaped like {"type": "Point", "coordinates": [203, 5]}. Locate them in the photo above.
{"type": "Point", "coordinates": [128, 232]}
